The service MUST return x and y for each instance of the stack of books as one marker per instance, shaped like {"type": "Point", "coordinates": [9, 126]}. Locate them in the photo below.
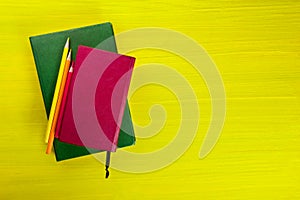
{"type": "Point", "coordinates": [84, 83]}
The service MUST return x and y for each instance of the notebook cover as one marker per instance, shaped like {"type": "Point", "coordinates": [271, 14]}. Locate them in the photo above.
{"type": "Point", "coordinates": [47, 49]}
{"type": "Point", "coordinates": [96, 99]}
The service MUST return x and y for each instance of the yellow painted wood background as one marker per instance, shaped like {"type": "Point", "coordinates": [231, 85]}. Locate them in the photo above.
{"type": "Point", "coordinates": [256, 47]}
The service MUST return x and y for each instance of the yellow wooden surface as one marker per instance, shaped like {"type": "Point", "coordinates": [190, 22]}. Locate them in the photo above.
{"type": "Point", "coordinates": [255, 45]}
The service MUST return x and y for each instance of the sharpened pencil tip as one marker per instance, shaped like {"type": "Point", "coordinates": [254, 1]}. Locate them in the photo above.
{"type": "Point", "coordinates": [71, 67]}
{"type": "Point", "coordinates": [67, 43]}
{"type": "Point", "coordinates": [69, 55]}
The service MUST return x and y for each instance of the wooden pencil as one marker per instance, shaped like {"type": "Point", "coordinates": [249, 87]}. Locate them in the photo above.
{"type": "Point", "coordinates": [63, 102]}
{"type": "Point", "coordinates": [58, 104]}
{"type": "Point", "coordinates": [57, 87]}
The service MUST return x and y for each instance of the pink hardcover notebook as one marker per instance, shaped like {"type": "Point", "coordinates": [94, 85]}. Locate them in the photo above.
{"type": "Point", "coordinates": [96, 99]}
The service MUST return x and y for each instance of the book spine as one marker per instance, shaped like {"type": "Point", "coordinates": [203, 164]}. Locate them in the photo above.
{"type": "Point", "coordinates": [38, 69]}
{"type": "Point", "coordinates": [124, 99]}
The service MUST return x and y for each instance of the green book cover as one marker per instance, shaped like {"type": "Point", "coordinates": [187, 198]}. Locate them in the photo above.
{"type": "Point", "coordinates": [47, 50]}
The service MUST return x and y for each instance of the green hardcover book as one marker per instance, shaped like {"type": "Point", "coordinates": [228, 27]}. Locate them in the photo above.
{"type": "Point", "coordinates": [47, 50]}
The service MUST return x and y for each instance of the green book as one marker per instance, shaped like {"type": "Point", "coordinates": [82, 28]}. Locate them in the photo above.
{"type": "Point", "coordinates": [47, 50]}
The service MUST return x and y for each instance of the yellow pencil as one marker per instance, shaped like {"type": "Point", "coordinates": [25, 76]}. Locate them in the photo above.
{"type": "Point", "coordinates": [58, 104]}
{"type": "Point", "coordinates": [57, 87]}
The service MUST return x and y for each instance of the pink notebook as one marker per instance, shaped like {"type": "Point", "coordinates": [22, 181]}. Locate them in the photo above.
{"type": "Point", "coordinates": [96, 99]}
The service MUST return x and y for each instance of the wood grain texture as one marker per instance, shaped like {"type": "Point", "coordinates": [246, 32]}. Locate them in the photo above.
{"type": "Point", "coordinates": [255, 45]}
